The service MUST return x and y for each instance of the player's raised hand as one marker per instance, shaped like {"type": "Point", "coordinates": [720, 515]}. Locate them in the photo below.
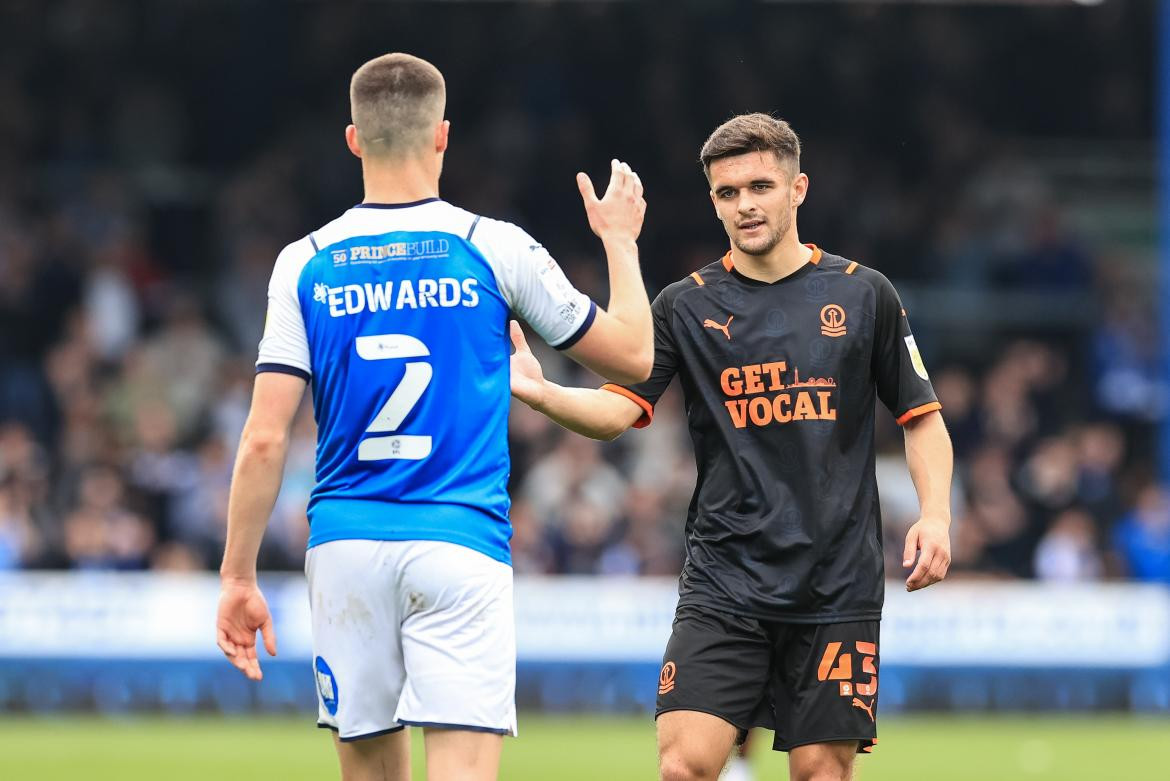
{"type": "Point", "coordinates": [619, 213]}
{"type": "Point", "coordinates": [527, 376]}
{"type": "Point", "coordinates": [932, 538]}
{"type": "Point", "coordinates": [242, 612]}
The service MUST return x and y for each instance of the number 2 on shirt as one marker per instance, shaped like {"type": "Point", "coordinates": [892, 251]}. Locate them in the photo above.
{"type": "Point", "coordinates": [414, 382]}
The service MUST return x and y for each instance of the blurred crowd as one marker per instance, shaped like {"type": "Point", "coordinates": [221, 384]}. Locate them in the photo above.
{"type": "Point", "coordinates": [144, 196]}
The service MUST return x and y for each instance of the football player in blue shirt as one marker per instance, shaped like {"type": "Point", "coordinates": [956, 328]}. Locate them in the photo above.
{"type": "Point", "coordinates": [397, 312]}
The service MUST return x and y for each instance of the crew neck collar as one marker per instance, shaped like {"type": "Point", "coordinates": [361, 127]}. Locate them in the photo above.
{"type": "Point", "coordinates": [812, 263]}
{"type": "Point", "coordinates": [397, 205]}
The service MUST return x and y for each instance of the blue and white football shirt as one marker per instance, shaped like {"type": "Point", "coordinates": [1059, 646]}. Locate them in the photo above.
{"type": "Point", "coordinates": [398, 315]}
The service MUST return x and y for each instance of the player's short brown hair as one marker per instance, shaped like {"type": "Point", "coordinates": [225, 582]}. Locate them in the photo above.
{"type": "Point", "coordinates": [395, 101]}
{"type": "Point", "coordinates": [751, 133]}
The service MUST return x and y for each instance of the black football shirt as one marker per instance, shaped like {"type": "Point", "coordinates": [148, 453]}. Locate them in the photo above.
{"type": "Point", "coordinates": [779, 381]}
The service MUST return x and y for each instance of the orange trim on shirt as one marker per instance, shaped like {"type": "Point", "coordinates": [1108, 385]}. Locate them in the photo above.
{"type": "Point", "coordinates": [913, 413]}
{"type": "Point", "coordinates": [729, 264]}
{"type": "Point", "coordinates": [851, 267]}
{"type": "Point", "coordinates": [698, 280]}
{"type": "Point", "coordinates": [647, 408]}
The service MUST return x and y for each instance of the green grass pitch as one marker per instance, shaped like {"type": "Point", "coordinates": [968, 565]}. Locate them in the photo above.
{"type": "Point", "coordinates": [948, 748]}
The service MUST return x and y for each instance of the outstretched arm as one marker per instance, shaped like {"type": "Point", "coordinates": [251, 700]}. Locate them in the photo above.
{"type": "Point", "coordinates": [930, 459]}
{"type": "Point", "coordinates": [595, 413]}
{"type": "Point", "coordinates": [255, 485]}
{"type": "Point", "coordinates": [620, 343]}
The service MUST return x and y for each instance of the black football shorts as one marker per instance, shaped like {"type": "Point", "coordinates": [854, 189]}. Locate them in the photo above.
{"type": "Point", "coordinates": [811, 683]}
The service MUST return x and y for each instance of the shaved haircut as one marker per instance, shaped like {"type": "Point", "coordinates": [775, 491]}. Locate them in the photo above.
{"type": "Point", "coordinates": [396, 101]}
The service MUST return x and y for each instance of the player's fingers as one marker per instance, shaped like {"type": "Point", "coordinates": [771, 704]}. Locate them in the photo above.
{"type": "Point", "coordinates": [637, 184]}
{"type": "Point", "coordinates": [585, 186]}
{"type": "Point", "coordinates": [225, 644]}
{"type": "Point", "coordinates": [518, 340]}
{"type": "Point", "coordinates": [615, 177]}
{"type": "Point", "coordinates": [268, 632]}
{"type": "Point", "coordinates": [239, 660]}
{"type": "Point", "coordinates": [940, 566]}
{"type": "Point", "coordinates": [629, 185]}
{"type": "Point", "coordinates": [252, 662]}
{"type": "Point", "coordinates": [918, 576]}
{"type": "Point", "coordinates": [910, 547]}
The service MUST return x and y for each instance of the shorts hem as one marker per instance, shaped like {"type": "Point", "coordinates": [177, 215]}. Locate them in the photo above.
{"type": "Point", "coordinates": [864, 745]}
{"type": "Point", "coordinates": [659, 711]}
{"type": "Point", "coordinates": [363, 736]}
{"type": "Point", "coordinates": [461, 727]}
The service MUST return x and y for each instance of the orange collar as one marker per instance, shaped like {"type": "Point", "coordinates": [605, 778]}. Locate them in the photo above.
{"type": "Point", "coordinates": [815, 259]}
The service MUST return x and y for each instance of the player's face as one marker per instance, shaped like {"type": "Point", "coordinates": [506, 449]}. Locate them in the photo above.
{"type": "Point", "coordinates": [755, 197]}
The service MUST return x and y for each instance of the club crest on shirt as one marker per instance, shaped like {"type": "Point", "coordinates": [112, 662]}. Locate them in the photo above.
{"type": "Point", "coordinates": [832, 320]}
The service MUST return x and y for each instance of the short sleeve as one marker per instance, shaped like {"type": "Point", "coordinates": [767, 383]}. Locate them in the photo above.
{"type": "Point", "coordinates": [533, 284]}
{"type": "Point", "coordinates": [902, 382]}
{"type": "Point", "coordinates": [646, 394]}
{"type": "Point", "coordinates": [285, 345]}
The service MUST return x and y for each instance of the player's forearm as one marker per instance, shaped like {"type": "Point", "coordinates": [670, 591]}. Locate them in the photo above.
{"type": "Point", "coordinates": [255, 486]}
{"type": "Point", "coordinates": [591, 412]}
{"type": "Point", "coordinates": [628, 303]}
{"type": "Point", "coordinates": [930, 459]}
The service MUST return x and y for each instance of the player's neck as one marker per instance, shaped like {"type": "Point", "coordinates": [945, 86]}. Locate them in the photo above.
{"type": "Point", "coordinates": [404, 181]}
{"type": "Point", "coordinates": [786, 258]}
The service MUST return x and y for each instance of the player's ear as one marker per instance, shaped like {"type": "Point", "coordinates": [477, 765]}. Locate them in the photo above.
{"type": "Point", "coordinates": [799, 188]}
{"type": "Point", "coordinates": [714, 204]}
{"type": "Point", "coordinates": [442, 134]}
{"type": "Point", "coordinates": [351, 140]}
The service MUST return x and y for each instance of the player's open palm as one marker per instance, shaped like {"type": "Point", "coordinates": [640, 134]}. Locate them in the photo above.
{"type": "Point", "coordinates": [242, 612]}
{"type": "Point", "coordinates": [527, 376]}
{"type": "Point", "coordinates": [619, 213]}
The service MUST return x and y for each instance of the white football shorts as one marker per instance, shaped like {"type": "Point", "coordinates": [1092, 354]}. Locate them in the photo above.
{"type": "Point", "coordinates": [414, 633]}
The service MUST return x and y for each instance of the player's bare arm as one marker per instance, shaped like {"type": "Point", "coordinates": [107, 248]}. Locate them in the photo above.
{"type": "Point", "coordinates": [930, 459]}
{"type": "Point", "coordinates": [592, 412]}
{"type": "Point", "coordinates": [620, 344]}
{"type": "Point", "coordinates": [255, 485]}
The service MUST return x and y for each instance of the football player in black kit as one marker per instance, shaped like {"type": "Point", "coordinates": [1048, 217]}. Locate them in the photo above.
{"type": "Point", "coordinates": [782, 349]}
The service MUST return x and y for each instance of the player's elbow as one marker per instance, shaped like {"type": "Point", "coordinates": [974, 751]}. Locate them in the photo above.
{"type": "Point", "coordinates": [262, 443]}
{"type": "Point", "coordinates": [609, 432]}
{"type": "Point", "coordinates": [644, 363]}
{"type": "Point", "coordinates": [635, 367]}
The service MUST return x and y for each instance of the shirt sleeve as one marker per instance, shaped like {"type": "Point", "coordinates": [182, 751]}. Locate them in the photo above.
{"type": "Point", "coordinates": [646, 394]}
{"type": "Point", "coordinates": [284, 347]}
{"type": "Point", "coordinates": [902, 382]}
{"type": "Point", "coordinates": [533, 284]}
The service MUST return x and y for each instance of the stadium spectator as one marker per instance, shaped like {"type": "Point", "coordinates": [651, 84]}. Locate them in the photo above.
{"type": "Point", "coordinates": [1069, 551]}
{"type": "Point", "coordinates": [1143, 536]}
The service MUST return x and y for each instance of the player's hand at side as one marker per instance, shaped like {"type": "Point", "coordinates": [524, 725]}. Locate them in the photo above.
{"type": "Point", "coordinates": [618, 214]}
{"type": "Point", "coordinates": [932, 538]}
{"type": "Point", "coordinates": [527, 376]}
{"type": "Point", "coordinates": [242, 612]}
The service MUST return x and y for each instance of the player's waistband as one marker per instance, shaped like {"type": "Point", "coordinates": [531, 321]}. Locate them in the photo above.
{"type": "Point", "coordinates": [364, 519]}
